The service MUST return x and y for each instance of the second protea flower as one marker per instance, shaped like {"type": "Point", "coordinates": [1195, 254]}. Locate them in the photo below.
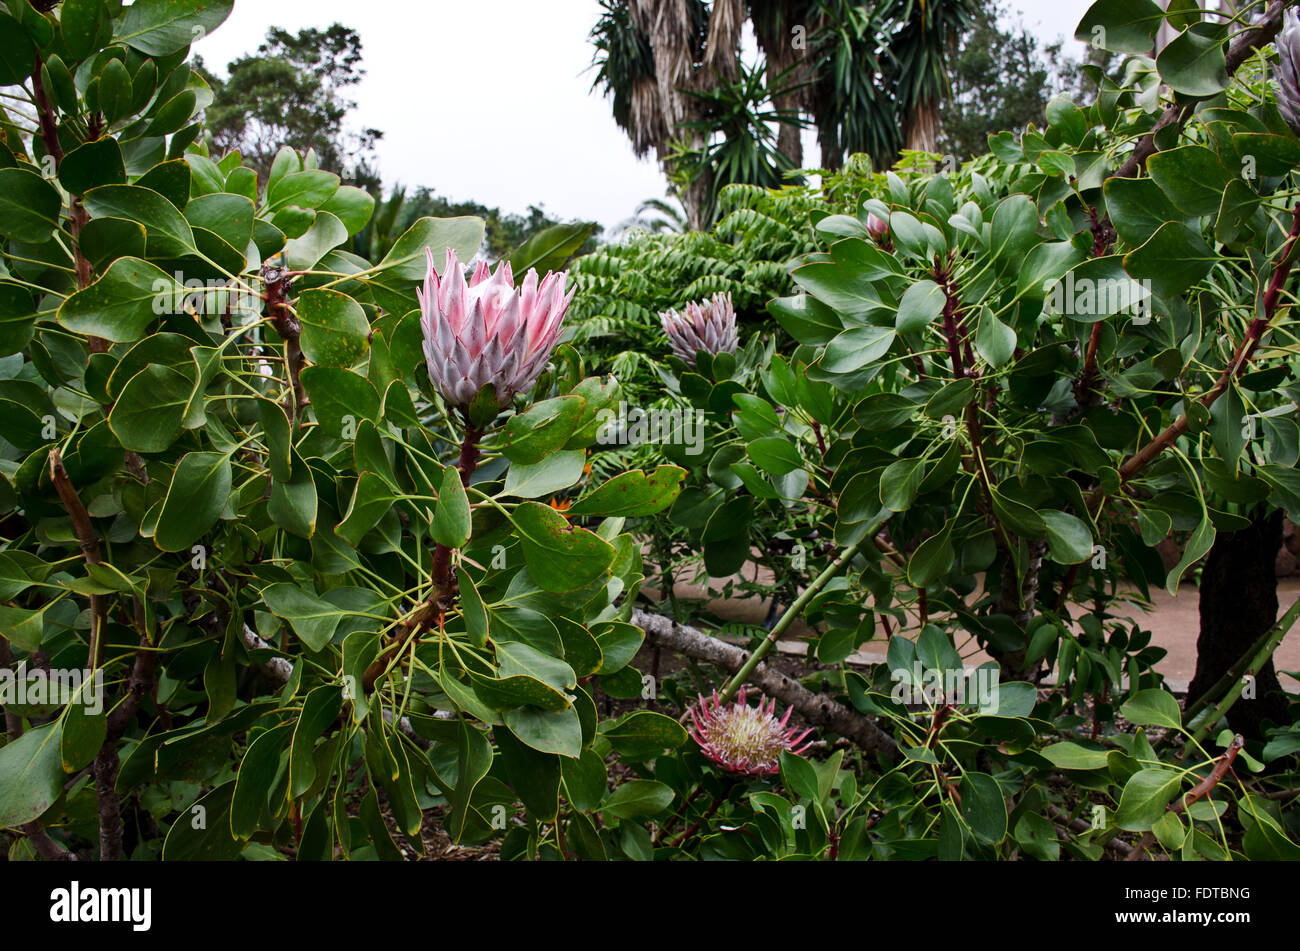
{"type": "Point", "coordinates": [1288, 72]}
{"type": "Point", "coordinates": [708, 325]}
{"type": "Point", "coordinates": [487, 331]}
{"type": "Point", "coordinates": [744, 739]}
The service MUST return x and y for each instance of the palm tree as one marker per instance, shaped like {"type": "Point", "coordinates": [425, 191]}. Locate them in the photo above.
{"type": "Point", "coordinates": [655, 215]}
{"type": "Point", "coordinates": [871, 75]}
{"type": "Point", "coordinates": [651, 55]}
{"type": "Point", "coordinates": [925, 34]}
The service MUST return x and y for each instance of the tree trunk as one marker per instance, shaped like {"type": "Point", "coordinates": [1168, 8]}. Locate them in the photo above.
{"type": "Point", "coordinates": [923, 127]}
{"type": "Point", "coordinates": [1238, 604]}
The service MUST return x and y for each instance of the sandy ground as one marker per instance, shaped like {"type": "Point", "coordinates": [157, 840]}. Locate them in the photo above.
{"type": "Point", "coordinates": [1174, 623]}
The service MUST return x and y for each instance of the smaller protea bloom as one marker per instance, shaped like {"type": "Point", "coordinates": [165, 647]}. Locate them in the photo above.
{"type": "Point", "coordinates": [708, 325]}
{"type": "Point", "coordinates": [744, 739]}
{"type": "Point", "coordinates": [487, 331]}
{"type": "Point", "coordinates": [877, 227]}
{"type": "Point", "coordinates": [1288, 73]}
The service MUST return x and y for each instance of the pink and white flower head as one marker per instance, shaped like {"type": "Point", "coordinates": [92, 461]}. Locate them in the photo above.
{"type": "Point", "coordinates": [877, 227]}
{"type": "Point", "coordinates": [708, 325]}
{"type": "Point", "coordinates": [486, 330]}
{"type": "Point", "coordinates": [744, 739]}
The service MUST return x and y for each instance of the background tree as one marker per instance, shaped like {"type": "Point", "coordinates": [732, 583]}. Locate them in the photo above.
{"type": "Point", "coordinates": [1000, 79]}
{"type": "Point", "coordinates": [292, 92]}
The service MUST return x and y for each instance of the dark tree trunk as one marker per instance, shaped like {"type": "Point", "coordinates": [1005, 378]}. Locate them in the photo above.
{"type": "Point", "coordinates": [1238, 604]}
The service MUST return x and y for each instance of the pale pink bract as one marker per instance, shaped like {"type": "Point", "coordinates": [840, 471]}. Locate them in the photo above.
{"type": "Point", "coordinates": [487, 331]}
{"type": "Point", "coordinates": [708, 325]}
{"type": "Point", "coordinates": [744, 739]}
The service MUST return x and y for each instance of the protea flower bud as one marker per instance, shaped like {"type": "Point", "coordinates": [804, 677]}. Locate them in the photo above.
{"type": "Point", "coordinates": [1288, 72]}
{"type": "Point", "coordinates": [486, 331]}
{"type": "Point", "coordinates": [744, 739]}
{"type": "Point", "coordinates": [708, 325]}
{"type": "Point", "coordinates": [877, 227]}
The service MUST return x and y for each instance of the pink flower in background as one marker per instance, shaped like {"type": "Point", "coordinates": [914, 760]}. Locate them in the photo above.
{"type": "Point", "coordinates": [708, 325]}
{"type": "Point", "coordinates": [486, 330]}
{"type": "Point", "coordinates": [744, 739]}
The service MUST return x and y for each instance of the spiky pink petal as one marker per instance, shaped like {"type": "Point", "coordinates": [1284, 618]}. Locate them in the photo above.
{"type": "Point", "coordinates": [484, 331]}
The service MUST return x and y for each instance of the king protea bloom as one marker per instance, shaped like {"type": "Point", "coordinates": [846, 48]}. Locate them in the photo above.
{"type": "Point", "coordinates": [1288, 73]}
{"type": "Point", "coordinates": [486, 331]}
{"type": "Point", "coordinates": [708, 325]}
{"type": "Point", "coordinates": [744, 739]}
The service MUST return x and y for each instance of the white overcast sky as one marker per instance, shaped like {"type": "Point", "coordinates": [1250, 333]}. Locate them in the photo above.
{"type": "Point", "coordinates": [489, 99]}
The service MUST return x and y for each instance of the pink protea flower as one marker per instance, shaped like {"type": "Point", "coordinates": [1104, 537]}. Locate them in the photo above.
{"type": "Point", "coordinates": [708, 325]}
{"type": "Point", "coordinates": [486, 331]}
{"type": "Point", "coordinates": [744, 739]}
{"type": "Point", "coordinates": [877, 227]}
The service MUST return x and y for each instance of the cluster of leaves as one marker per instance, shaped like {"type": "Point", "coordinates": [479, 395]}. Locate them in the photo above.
{"type": "Point", "coordinates": [225, 480]}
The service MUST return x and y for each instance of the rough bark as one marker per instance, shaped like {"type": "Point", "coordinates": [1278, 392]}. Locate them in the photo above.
{"type": "Point", "coordinates": [1238, 605]}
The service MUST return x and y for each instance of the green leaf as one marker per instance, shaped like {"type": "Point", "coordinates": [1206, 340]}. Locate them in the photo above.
{"type": "Point", "coordinates": [351, 205]}
{"type": "Point", "coordinates": [249, 805]}
{"type": "Point", "coordinates": [1068, 755]}
{"type": "Point", "coordinates": [122, 304]}
{"type": "Point", "coordinates": [553, 474]}
{"type": "Point", "coordinates": [995, 342]}
{"type": "Point", "coordinates": [148, 414]}
{"type": "Point", "coordinates": [1192, 176]}
{"type": "Point", "coordinates": [1069, 539]}
{"type": "Point", "coordinates": [371, 501]}
{"type": "Point", "coordinates": [983, 807]}
{"type": "Point", "coordinates": [1145, 797]}
{"type": "Point", "coordinates": [1138, 207]}
{"type": "Point", "coordinates": [195, 498]}
{"type": "Point", "coordinates": [1015, 226]}
{"type": "Point", "coordinates": [335, 332]}
{"type": "Point", "coordinates": [1194, 62]}
{"type": "Point", "coordinates": [31, 774]}
{"type": "Point", "coordinates": [162, 27]}
{"type": "Point", "coordinates": [451, 521]}
{"type": "Point", "coordinates": [921, 304]}
{"type": "Point", "coordinates": [167, 233]}
{"type": "Point", "coordinates": [560, 557]}
{"type": "Point", "coordinates": [775, 454]}
{"type": "Point", "coordinates": [932, 560]}
{"type": "Point", "coordinates": [633, 493]}
{"type": "Point", "coordinates": [550, 731]}
{"type": "Point", "coordinates": [529, 437]}
{"type": "Point", "coordinates": [93, 164]}
{"type": "Point", "coordinates": [406, 260]}
{"type": "Point", "coordinates": [856, 348]}
{"type": "Point", "coordinates": [84, 731]}
{"type": "Point", "coordinates": [644, 733]}
{"type": "Point", "coordinates": [549, 249]}
{"type": "Point", "coordinates": [1152, 707]}
{"type": "Point", "coordinates": [324, 235]}
{"type": "Point", "coordinates": [341, 399]}
{"type": "Point", "coordinates": [312, 619]}
{"type": "Point", "coordinates": [17, 318]}
{"type": "Point", "coordinates": [1199, 543]}
{"type": "Point", "coordinates": [229, 217]}
{"type": "Point", "coordinates": [29, 206]}
{"type": "Point", "coordinates": [1126, 26]}
{"type": "Point", "coordinates": [638, 798]}
{"type": "Point", "coordinates": [319, 710]}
